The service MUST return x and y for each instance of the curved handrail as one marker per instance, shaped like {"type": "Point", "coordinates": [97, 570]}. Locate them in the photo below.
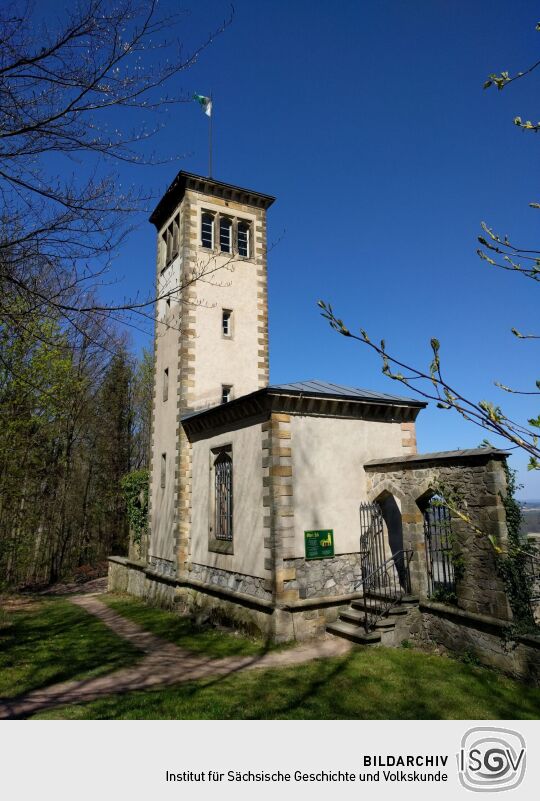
{"type": "Point", "coordinates": [390, 582]}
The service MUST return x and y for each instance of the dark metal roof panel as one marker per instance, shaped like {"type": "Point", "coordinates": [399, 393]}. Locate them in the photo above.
{"type": "Point", "coordinates": [316, 387]}
{"type": "Point", "coordinates": [430, 457]}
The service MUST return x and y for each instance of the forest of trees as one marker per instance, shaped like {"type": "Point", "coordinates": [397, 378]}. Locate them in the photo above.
{"type": "Point", "coordinates": [82, 89]}
{"type": "Point", "coordinates": [75, 414]}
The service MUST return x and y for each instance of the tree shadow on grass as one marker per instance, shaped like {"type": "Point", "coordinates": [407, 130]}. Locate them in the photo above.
{"type": "Point", "coordinates": [374, 683]}
{"type": "Point", "coordinates": [217, 641]}
{"type": "Point", "coordinates": [53, 642]}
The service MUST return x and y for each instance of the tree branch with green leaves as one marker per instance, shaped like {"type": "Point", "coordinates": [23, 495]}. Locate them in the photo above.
{"type": "Point", "coordinates": [430, 384]}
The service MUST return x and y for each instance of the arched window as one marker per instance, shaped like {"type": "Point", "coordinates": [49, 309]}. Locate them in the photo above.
{"type": "Point", "coordinates": [225, 234]}
{"type": "Point", "coordinates": [243, 239]}
{"type": "Point", "coordinates": [223, 519]}
{"type": "Point", "coordinates": [207, 230]}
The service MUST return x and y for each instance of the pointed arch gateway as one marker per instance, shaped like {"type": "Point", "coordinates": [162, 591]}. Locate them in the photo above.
{"type": "Point", "coordinates": [381, 542]}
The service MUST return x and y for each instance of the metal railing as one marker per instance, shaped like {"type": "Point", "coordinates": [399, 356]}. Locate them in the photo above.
{"type": "Point", "coordinates": [386, 586]}
{"type": "Point", "coordinates": [439, 556]}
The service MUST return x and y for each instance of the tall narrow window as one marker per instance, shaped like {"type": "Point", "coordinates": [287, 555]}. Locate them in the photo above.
{"type": "Point", "coordinates": [166, 384]}
{"type": "Point", "coordinates": [169, 243]}
{"type": "Point", "coordinates": [176, 235]}
{"type": "Point", "coordinates": [207, 230]}
{"type": "Point", "coordinates": [226, 323]}
{"type": "Point", "coordinates": [163, 469]}
{"type": "Point", "coordinates": [163, 250]}
{"type": "Point", "coordinates": [243, 239]}
{"type": "Point", "coordinates": [223, 500]}
{"type": "Point", "coordinates": [226, 393]}
{"type": "Point", "coordinates": [225, 231]}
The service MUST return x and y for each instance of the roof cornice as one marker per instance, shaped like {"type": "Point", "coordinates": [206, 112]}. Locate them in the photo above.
{"type": "Point", "coordinates": [267, 400]}
{"type": "Point", "coordinates": [208, 186]}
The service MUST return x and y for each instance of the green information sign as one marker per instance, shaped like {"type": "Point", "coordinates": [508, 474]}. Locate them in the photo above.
{"type": "Point", "coordinates": [319, 544]}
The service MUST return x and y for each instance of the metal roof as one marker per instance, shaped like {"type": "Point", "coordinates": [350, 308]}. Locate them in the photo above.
{"type": "Point", "coordinates": [315, 387]}
{"type": "Point", "coordinates": [468, 453]}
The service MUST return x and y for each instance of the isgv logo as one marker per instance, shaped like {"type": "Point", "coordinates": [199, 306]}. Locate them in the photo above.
{"type": "Point", "coordinates": [491, 759]}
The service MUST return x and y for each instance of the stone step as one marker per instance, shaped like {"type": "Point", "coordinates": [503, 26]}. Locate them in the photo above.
{"type": "Point", "coordinates": [385, 623]}
{"type": "Point", "coordinates": [356, 616]}
{"type": "Point", "coordinates": [377, 607]}
{"type": "Point", "coordinates": [410, 599]}
{"type": "Point", "coordinates": [405, 599]}
{"type": "Point", "coordinates": [354, 633]}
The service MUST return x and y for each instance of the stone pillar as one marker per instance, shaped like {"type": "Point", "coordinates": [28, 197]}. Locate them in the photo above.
{"type": "Point", "coordinates": [481, 589]}
{"type": "Point", "coordinates": [186, 389]}
{"type": "Point", "coordinates": [414, 540]}
{"type": "Point", "coordinates": [279, 518]}
{"type": "Point", "coordinates": [263, 366]}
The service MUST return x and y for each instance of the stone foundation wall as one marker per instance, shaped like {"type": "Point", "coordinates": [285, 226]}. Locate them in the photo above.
{"type": "Point", "coordinates": [205, 606]}
{"type": "Point", "coordinates": [249, 585]}
{"type": "Point", "coordinates": [321, 578]}
{"type": "Point", "coordinates": [132, 578]}
{"type": "Point", "coordinates": [479, 637]}
{"type": "Point", "coordinates": [165, 567]}
{"type": "Point", "coordinates": [253, 614]}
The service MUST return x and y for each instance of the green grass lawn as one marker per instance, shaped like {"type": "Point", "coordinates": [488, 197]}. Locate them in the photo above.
{"type": "Point", "coordinates": [377, 683]}
{"type": "Point", "coordinates": [183, 631]}
{"type": "Point", "coordinates": [53, 640]}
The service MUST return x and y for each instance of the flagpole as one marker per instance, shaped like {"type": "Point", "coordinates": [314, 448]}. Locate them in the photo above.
{"type": "Point", "coordinates": [210, 139]}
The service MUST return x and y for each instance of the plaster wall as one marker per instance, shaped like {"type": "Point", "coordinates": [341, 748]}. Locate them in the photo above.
{"type": "Point", "coordinates": [248, 556]}
{"type": "Point", "coordinates": [234, 285]}
{"type": "Point", "coordinates": [328, 457]}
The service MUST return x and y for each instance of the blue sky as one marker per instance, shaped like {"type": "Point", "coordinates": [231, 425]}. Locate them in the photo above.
{"type": "Point", "coordinates": [368, 122]}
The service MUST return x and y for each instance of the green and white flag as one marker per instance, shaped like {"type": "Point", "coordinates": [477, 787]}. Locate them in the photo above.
{"type": "Point", "coordinates": [206, 103]}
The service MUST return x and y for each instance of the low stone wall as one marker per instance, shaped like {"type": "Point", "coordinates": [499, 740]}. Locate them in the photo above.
{"type": "Point", "coordinates": [323, 578]}
{"type": "Point", "coordinates": [135, 579]}
{"type": "Point", "coordinates": [165, 567]}
{"type": "Point", "coordinates": [480, 637]}
{"type": "Point", "coordinates": [240, 582]}
{"type": "Point", "coordinates": [215, 595]}
{"type": "Point", "coordinates": [208, 606]}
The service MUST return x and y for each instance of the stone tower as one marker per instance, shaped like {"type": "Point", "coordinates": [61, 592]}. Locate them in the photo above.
{"type": "Point", "coordinates": [211, 335]}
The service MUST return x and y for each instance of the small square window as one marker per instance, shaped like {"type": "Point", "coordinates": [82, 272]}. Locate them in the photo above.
{"type": "Point", "coordinates": [226, 393]}
{"type": "Point", "coordinates": [226, 323]}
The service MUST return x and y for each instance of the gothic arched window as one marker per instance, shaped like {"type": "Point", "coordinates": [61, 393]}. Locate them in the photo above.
{"type": "Point", "coordinates": [223, 499]}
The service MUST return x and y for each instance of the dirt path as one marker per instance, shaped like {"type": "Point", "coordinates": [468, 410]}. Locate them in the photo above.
{"type": "Point", "coordinates": [163, 664]}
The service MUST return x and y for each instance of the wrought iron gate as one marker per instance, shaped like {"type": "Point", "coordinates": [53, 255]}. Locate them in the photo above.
{"type": "Point", "coordinates": [438, 538]}
{"type": "Point", "coordinates": [372, 545]}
